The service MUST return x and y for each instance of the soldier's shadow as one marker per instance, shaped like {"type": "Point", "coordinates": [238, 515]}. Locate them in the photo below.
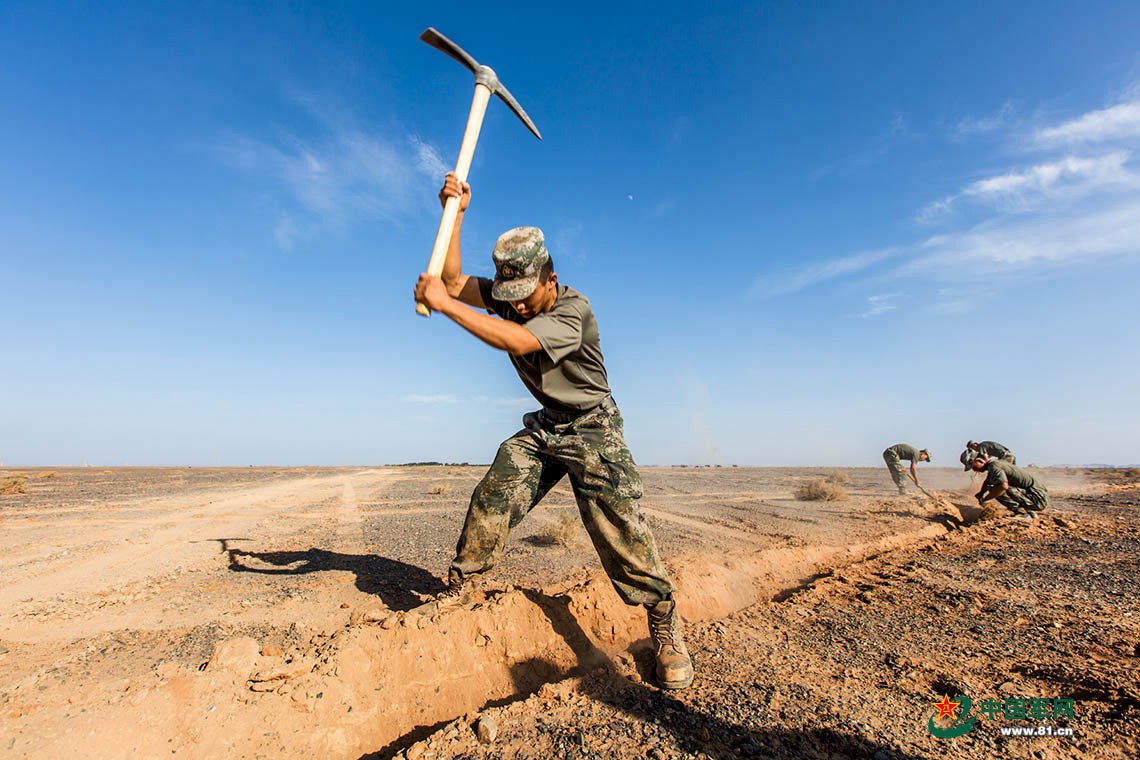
{"type": "Point", "coordinates": [399, 585]}
{"type": "Point", "coordinates": [696, 731]}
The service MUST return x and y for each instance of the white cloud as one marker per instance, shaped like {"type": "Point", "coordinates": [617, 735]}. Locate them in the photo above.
{"type": "Point", "coordinates": [340, 176]}
{"type": "Point", "coordinates": [1115, 123]}
{"type": "Point", "coordinates": [1046, 178]}
{"type": "Point", "coordinates": [817, 272]}
{"type": "Point", "coordinates": [1076, 208]}
{"type": "Point", "coordinates": [981, 125]}
{"type": "Point", "coordinates": [879, 304]}
{"type": "Point", "coordinates": [1013, 243]}
{"type": "Point", "coordinates": [1071, 177]}
{"type": "Point", "coordinates": [428, 160]}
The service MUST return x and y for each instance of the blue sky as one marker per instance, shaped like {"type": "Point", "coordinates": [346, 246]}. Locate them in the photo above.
{"type": "Point", "coordinates": [809, 230]}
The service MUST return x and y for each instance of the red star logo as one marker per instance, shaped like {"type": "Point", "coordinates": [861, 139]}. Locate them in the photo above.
{"type": "Point", "coordinates": [946, 708]}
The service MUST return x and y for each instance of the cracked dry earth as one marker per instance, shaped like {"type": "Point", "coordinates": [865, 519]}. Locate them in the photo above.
{"type": "Point", "coordinates": [277, 614]}
{"type": "Point", "coordinates": [850, 665]}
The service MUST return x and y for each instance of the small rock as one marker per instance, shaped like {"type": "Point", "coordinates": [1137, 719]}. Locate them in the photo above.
{"type": "Point", "coordinates": [271, 650]}
{"type": "Point", "coordinates": [486, 729]}
{"type": "Point", "coordinates": [3, 649]}
{"type": "Point", "coordinates": [389, 622]}
{"type": "Point", "coordinates": [880, 755]}
{"type": "Point", "coordinates": [237, 655]}
{"type": "Point", "coordinates": [344, 605]}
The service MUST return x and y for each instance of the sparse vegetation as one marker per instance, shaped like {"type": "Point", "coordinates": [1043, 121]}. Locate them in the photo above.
{"type": "Point", "coordinates": [839, 478]}
{"type": "Point", "coordinates": [437, 490]}
{"type": "Point", "coordinates": [820, 489]}
{"type": "Point", "coordinates": [47, 475]}
{"type": "Point", "coordinates": [13, 485]}
{"type": "Point", "coordinates": [562, 530]}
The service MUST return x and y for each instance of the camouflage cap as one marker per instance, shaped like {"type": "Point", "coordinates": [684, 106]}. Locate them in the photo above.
{"type": "Point", "coordinates": [519, 256]}
{"type": "Point", "coordinates": [927, 452]}
{"type": "Point", "coordinates": [967, 458]}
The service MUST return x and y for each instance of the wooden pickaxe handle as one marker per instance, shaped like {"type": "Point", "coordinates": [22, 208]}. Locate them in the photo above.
{"type": "Point", "coordinates": [462, 167]}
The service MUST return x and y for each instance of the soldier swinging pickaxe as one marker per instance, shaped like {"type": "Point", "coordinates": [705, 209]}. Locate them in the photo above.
{"type": "Point", "coordinates": [486, 84]}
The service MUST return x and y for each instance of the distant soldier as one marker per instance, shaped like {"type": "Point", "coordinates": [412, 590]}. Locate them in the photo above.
{"type": "Point", "coordinates": [986, 449]}
{"type": "Point", "coordinates": [894, 455]}
{"type": "Point", "coordinates": [1012, 487]}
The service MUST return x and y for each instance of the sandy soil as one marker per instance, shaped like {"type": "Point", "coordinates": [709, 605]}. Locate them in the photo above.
{"type": "Point", "coordinates": [276, 613]}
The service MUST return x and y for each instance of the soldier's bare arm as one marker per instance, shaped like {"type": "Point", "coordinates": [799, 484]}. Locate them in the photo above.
{"type": "Point", "coordinates": [497, 333]}
{"type": "Point", "coordinates": [459, 285]}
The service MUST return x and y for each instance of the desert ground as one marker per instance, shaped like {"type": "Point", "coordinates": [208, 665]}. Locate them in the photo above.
{"type": "Point", "coordinates": [279, 613]}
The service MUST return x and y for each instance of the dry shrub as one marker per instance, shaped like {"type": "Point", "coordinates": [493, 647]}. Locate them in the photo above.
{"type": "Point", "coordinates": [820, 489]}
{"type": "Point", "coordinates": [839, 478]}
{"type": "Point", "coordinates": [562, 530]}
{"type": "Point", "coordinates": [47, 475]}
{"type": "Point", "coordinates": [437, 490]}
{"type": "Point", "coordinates": [13, 485]}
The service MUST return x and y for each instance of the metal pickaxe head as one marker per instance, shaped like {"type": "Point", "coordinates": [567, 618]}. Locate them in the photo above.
{"type": "Point", "coordinates": [484, 75]}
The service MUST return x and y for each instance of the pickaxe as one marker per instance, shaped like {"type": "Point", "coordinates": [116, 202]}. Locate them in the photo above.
{"type": "Point", "coordinates": [486, 84]}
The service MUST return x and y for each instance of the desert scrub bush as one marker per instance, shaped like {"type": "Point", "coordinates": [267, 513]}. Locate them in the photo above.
{"type": "Point", "coordinates": [13, 485]}
{"type": "Point", "coordinates": [49, 475]}
{"type": "Point", "coordinates": [820, 489]}
{"type": "Point", "coordinates": [437, 490]}
{"type": "Point", "coordinates": [839, 478]}
{"type": "Point", "coordinates": [562, 530]}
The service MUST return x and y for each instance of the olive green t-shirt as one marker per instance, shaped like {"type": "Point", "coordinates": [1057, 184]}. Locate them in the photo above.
{"type": "Point", "coordinates": [992, 449]}
{"type": "Point", "coordinates": [999, 472]}
{"type": "Point", "coordinates": [905, 451]}
{"type": "Point", "coordinates": [569, 374]}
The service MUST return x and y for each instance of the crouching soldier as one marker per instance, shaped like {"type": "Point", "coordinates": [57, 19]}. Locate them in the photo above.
{"type": "Point", "coordinates": [1012, 487]}
{"type": "Point", "coordinates": [986, 449]}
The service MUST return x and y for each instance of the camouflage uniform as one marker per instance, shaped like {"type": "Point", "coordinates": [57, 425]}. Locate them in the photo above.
{"type": "Point", "coordinates": [592, 451]}
{"type": "Point", "coordinates": [1024, 494]}
{"type": "Point", "coordinates": [893, 456]}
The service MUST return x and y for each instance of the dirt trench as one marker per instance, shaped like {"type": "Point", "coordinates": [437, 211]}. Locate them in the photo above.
{"type": "Point", "coordinates": [386, 679]}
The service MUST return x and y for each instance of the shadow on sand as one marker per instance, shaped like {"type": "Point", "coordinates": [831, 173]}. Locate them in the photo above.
{"type": "Point", "coordinates": [399, 585]}
{"type": "Point", "coordinates": [695, 731]}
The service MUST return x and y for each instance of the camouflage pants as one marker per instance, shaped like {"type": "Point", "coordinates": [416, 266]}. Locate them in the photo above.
{"type": "Point", "coordinates": [591, 450]}
{"type": "Point", "coordinates": [898, 472]}
{"type": "Point", "coordinates": [1018, 500]}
